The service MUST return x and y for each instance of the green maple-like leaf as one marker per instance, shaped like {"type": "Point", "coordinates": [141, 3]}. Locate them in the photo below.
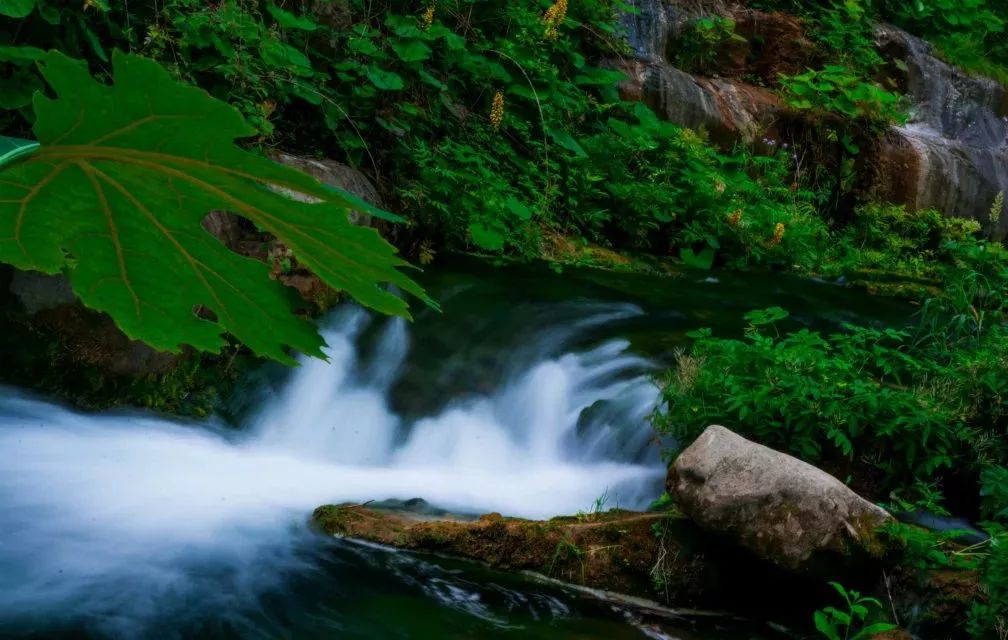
{"type": "Point", "coordinates": [116, 193]}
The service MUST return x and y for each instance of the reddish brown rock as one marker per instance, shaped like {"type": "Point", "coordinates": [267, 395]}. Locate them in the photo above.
{"type": "Point", "coordinates": [730, 110]}
{"type": "Point", "coordinates": [775, 44]}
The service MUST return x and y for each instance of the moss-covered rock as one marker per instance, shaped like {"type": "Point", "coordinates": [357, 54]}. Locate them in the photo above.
{"type": "Point", "coordinates": [650, 555]}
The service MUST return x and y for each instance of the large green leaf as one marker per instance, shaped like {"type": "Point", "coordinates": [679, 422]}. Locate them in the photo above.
{"type": "Point", "coordinates": [385, 80]}
{"type": "Point", "coordinates": [411, 50]}
{"type": "Point", "coordinates": [287, 19]}
{"type": "Point", "coordinates": [116, 194]}
{"type": "Point", "coordinates": [16, 8]}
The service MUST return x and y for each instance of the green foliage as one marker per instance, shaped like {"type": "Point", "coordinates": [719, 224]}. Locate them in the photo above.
{"type": "Point", "coordinates": [411, 95]}
{"type": "Point", "coordinates": [890, 239]}
{"type": "Point", "coordinates": [851, 622]}
{"type": "Point", "coordinates": [989, 615]}
{"type": "Point", "coordinates": [819, 398]}
{"type": "Point", "coordinates": [116, 194]}
{"type": "Point", "coordinates": [703, 44]}
{"type": "Point", "coordinates": [911, 404]}
{"type": "Point", "coordinates": [251, 54]}
{"type": "Point", "coordinates": [597, 508]}
{"type": "Point", "coordinates": [652, 185]}
{"type": "Point", "coordinates": [846, 32]}
{"type": "Point", "coordinates": [835, 91]}
{"type": "Point", "coordinates": [663, 503]}
{"type": "Point", "coordinates": [908, 408]}
{"type": "Point", "coordinates": [967, 33]}
{"type": "Point", "coordinates": [924, 550]}
{"type": "Point", "coordinates": [994, 483]}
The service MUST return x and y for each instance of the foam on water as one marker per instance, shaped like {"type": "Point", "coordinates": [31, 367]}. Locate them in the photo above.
{"type": "Point", "coordinates": [112, 517]}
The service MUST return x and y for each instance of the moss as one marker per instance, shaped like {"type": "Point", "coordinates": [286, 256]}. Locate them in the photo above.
{"type": "Point", "coordinates": [616, 551]}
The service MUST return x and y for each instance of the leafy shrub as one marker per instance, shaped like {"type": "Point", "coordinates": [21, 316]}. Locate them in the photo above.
{"type": "Point", "coordinates": [845, 32]}
{"type": "Point", "coordinates": [968, 33]}
{"type": "Point", "coordinates": [891, 239]}
{"type": "Point", "coordinates": [821, 398]}
{"type": "Point", "coordinates": [115, 192]}
{"type": "Point", "coordinates": [836, 91]}
{"type": "Point", "coordinates": [703, 43]}
{"type": "Point", "coordinates": [911, 404]}
{"type": "Point", "coordinates": [989, 615]}
{"type": "Point", "coordinates": [375, 84]}
{"type": "Point", "coordinates": [656, 186]}
{"type": "Point", "coordinates": [485, 119]}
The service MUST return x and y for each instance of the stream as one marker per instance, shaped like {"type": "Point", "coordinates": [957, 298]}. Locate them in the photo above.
{"type": "Point", "coordinates": [528, 395]}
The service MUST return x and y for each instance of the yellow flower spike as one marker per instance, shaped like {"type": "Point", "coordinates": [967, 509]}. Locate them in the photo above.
{"type": "Point", "coordinates": [554, 17]}
{"type": "Point", "coordinates": [778, 235]}
{"type": "Point", "coordinates": [735, 218]}
{"type": "Point", "coordinates": [497, 111]}
{"type": "Point", "coordinates": [427, 19]}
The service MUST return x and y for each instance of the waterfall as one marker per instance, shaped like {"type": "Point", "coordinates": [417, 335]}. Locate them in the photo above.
{"type": "Point", "coordinates": [117, 518]}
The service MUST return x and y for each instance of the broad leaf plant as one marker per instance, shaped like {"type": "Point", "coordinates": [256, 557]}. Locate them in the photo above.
{"type": "Point", "coordinates": [116, 188]}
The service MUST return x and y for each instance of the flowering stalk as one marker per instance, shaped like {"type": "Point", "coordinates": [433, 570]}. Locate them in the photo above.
{"type": "Point", "coordinates": [554, 17]}
{"type": "Point", "coordinates": [778, 235]}
{"type": "Point", "coordinates": [497, 111]}
{"type": "Point", "coordinates": [427, 18]}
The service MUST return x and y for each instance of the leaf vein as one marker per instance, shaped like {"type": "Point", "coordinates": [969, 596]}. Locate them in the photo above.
{"type": "Point", "coordinates": [39, 186]}
{"type": "Point", "coordinates": [89, 171]}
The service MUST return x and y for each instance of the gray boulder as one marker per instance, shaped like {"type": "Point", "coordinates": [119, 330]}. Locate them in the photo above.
{"type": "Point", "coordinates": [782, 509]}
{"type": "Point", "coordinates": [334, 174]}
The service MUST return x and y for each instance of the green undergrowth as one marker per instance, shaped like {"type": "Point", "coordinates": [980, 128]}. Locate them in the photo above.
{"type": "Point", "coordinates": [496, 127]}
{"type": "Point", "coordinates": [967, 33]}
{"type": "Point", "coordinates": [907, 416]}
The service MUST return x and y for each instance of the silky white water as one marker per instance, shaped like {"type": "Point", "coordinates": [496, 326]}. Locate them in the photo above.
{"type": "Point", "coordinates": [113, 517]}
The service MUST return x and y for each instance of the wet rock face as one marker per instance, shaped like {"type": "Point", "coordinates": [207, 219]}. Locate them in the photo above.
{"type": "Point", "coordinates": [648, 29]}
{"type": "Point", "coordinates": [785, 511]}
{"type": "Point", "coordinates": [728, 109]}
{"type": "Point", "coordinates": [731, 110]}
{"type": "Point", "coordinates": [953, 154]}
{"type": "Point", "coordinates": [655, 23]}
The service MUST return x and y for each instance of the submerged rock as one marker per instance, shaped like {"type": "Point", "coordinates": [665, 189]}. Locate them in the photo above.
{"type": "Point", "coordinates": [784, 510]}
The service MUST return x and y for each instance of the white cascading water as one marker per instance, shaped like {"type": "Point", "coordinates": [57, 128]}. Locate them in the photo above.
{"type": "Point", "coordinates": [115, 516]}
